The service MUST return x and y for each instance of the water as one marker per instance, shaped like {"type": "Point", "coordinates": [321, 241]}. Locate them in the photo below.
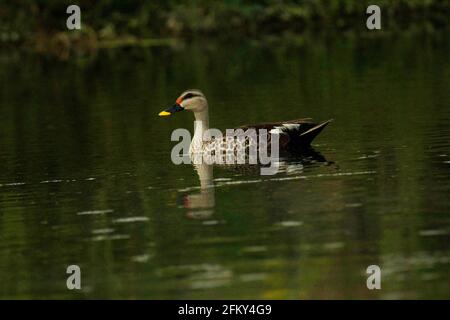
{"type": "Point", "coordinates": [87, 178]}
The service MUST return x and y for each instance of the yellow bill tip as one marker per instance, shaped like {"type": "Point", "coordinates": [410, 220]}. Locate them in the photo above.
{"type": "Point", "coordinates": [164, 113]}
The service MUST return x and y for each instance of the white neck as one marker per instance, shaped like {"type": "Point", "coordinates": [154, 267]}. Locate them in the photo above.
{"type": "Point", "coordinates": [201, 124]}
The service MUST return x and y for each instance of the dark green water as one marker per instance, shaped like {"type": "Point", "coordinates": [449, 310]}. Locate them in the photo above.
{"type": "Point", "coordinates": [78, 137]}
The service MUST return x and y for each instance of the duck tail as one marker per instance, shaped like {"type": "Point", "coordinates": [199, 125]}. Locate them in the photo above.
{"type": "Point", "coordinates": [308, 136]}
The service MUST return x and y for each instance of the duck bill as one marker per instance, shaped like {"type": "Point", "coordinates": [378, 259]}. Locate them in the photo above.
{"type": "Point", "coordinates": [168, 112]}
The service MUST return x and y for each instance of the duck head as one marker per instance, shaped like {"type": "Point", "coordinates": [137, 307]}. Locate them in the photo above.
{"type": "Point", "coordinates": [193, 100]}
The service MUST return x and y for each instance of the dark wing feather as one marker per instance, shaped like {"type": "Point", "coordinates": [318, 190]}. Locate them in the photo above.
{"type": "Point", "coordinates": [271, 125]}
{"type": "Point", "coordinates": [293, 133]}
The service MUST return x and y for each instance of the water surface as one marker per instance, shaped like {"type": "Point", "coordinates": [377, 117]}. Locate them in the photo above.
{"type": "Point", "coordinates": [87, 177]}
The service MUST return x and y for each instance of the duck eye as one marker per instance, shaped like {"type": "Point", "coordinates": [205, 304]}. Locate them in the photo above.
{"type": "Point", "coordinates": [189, 96]}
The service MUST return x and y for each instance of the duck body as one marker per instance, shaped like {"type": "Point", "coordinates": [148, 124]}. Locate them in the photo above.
{"type": "Point", "coordinates": [294, 135]}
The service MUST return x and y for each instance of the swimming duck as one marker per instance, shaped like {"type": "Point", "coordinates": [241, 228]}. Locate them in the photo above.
{"type": "Point", "coordinates": [294, 134]}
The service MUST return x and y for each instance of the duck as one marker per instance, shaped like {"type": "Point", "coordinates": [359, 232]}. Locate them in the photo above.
{"type": "Point", "coordinates": [294, 134]}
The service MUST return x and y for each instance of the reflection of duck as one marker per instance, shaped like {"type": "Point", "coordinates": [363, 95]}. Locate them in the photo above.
{"type": "Point", "coordinates": [201, 205]}
{"type": "Point", "coordinates": [288, 163]}
{"type": "Point", "coordinates": [293, 133]}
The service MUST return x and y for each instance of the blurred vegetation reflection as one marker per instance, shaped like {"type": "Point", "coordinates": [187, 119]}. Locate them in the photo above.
{"type": "Point", "coordinates": [41, 25]}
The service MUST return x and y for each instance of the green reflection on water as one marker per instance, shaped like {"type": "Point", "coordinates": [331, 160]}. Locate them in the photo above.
{"type": "Point", "coordinates": [81, 137]}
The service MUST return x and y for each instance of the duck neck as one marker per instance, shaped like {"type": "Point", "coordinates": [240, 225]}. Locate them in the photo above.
{"type": "Point", "coordinates": [201, 125]}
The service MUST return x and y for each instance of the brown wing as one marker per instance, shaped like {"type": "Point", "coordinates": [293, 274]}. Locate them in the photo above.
{"type": "Point", "coordinates": [293, 133]}
{"type": "Point", "coordinates": [271, 125]}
